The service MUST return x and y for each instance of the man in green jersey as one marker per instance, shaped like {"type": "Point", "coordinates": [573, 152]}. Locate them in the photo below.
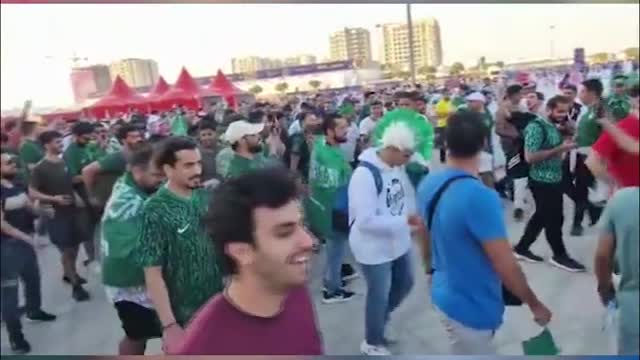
{"type": "Point", "coordinates": [178, 258]}
{"type": "Point", "coordinates": [588, 131]}
{"type": "Point", "coordinates": [246, 143]}
{"type": "Point", "coordinates": [618, 103]}
{"type": "Point", "coordinates": [30, 151]}
{"type": "Point", "coordinates": [329, 174]}
{"type": "Point", "coordinates": [100, 175]}
{"type": "Point", "coordinates": [122, 277]}
{"type": "Point", "coordinates": [544, 149]}
{"type": "Point", "coordinates": [475, 102]}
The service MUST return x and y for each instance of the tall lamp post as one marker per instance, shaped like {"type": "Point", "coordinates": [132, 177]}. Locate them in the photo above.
{"type": "Point", "coordinates": [412, 64]}
{"type": "Point", "coordinates": [551, 45]}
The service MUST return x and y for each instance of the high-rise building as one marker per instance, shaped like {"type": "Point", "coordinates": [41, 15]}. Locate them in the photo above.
{"type": "Point", "coordinates": [304, 59]}
{"type": "Point", "coordinates": [251, 64]}
{"type": "Point", "coordinates": [135, 72]}
{"type": "Point", "coordinates": [90, 81]}
{"type": "Point", "coordinates": [351, 44]}
{"type": "Point", "coordinates": [427, 46]}
{"type": "Point", "coordinates": [246, 64]}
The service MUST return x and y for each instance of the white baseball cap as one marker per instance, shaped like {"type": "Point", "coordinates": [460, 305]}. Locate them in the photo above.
{"type": "Point", "coordinates": [476, 96]}
{"type": "Point", "coordinates": [241, 128]}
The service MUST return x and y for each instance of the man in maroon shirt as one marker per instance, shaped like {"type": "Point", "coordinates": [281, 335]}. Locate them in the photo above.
{"type": "Point", "coordinates": [255, 221]}
{"type": "Point", "coordinates": [615, 154]}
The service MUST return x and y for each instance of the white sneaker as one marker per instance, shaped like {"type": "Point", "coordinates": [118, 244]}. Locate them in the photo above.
{"type": "Point", "coordinates": [373, 350]}
{"type": "Point", "coordinates": [616, 280]}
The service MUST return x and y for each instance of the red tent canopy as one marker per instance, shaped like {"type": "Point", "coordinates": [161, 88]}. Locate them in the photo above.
{"type": "Point", "coordinates": [160, 88]}
{"type": "Point", "coordinates": [185, 92]}
{"type": "Point", "coordinates": [221, 86]}
{"type": "Point", "coordinates": [119, 99]}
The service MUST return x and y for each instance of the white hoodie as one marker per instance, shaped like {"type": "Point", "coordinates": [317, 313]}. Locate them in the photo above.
{"type": "Point", "coordinates": [380, 232]}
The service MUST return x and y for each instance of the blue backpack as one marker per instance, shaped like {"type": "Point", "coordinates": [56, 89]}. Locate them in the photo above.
{"type": "Point", "coordinates": [340, 213]}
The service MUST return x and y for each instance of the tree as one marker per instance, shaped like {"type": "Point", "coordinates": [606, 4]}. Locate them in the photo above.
{"type": "Point", "coordinates": [315, 84]}
{"type": "Point", "coordinates": [426, 70]}
{"type": "Point", "coordinates": [599, 58]}
{"type": "Point", "coordinates": [255, 89]}
{"type": "Point", "coordinates": [456, 69]}
{"type": "Point", "coordinates": [632, 53]}
{"type": "Point", "coordinates": [500, 64]}
{"type": "Point", "coordinates": [404, 75]}
{"type": "Point", "coordinates": [282, 87]}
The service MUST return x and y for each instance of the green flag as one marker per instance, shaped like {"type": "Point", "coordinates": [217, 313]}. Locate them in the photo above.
{"type": "Point", "coordinates": [541, 344]}
{"type": "Point", "coordinates": [179, 126]}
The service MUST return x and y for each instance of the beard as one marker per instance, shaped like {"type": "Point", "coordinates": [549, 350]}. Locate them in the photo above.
{"type": "Point", "coordinates": [341, 140]}
{"type": "Point", "coordinates": [194, 182]}
{"type": "Point", "coordinates": [150, 189]}
{"type": "Point", "coordinates": [315, 129]}
{"type": "Point", "coordinates": [255, 148]}
{"type": "Point", "coordinates": [9, 176]}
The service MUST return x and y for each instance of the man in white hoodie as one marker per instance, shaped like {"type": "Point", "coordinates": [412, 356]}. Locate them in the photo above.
{"type": "Point", "coordinates": [381, 202]}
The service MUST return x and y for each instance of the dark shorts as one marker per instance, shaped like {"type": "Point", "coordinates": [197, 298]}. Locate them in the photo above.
{"type": "Point", "coordinates": [68, 228]}
{"type": "Point", "coordinates": [138, 322]}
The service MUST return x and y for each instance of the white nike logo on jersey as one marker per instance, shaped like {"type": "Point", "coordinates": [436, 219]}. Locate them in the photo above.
{"type": "Point", "coordinates": [180, 231]}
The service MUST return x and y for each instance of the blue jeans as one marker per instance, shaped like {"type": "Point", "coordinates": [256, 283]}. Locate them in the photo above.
{"type": "Point", "coordinates": [336, 247]}
{"type": "Point", "coordinates": [388, 284]}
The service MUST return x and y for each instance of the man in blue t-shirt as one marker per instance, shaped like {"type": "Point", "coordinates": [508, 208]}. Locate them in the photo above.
{"type": "Point", "coordinates": [468, 246]}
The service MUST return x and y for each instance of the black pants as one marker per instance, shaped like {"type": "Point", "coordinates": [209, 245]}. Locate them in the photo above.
{"type": "Point", "coordinates": [548, 216]}
{"type": "Point", "coordinates": [578, 190]}
{"type": "Point", "coordinates": [19, 261]}
{"type": "Point", "coordinates": [440, 143]}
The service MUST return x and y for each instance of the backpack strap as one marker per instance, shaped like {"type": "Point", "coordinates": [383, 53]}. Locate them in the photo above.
{"type": "Point", "coordinates": [375, 172]}
{"type": "Point", "coordinates": [431, 209]}
{"type": "Point", "coordinates": [436, 197]}
{"type": "Point", "coordinates": [377, 179]}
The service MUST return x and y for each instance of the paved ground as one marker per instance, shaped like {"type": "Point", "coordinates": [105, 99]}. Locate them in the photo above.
{"type": "Point", "coordinates": [93, 327]}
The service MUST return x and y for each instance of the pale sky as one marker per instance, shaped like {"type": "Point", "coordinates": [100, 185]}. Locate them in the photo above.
{"type": "Point", "coordinates": [38, 40]}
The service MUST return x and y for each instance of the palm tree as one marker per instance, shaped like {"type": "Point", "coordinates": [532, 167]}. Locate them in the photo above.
{"type": "Point", "coordinates": [282, 87]}
{"type": "Point", "coordinates": [255, 89]}
{"type": "Point", "coordinates": [315, 84]}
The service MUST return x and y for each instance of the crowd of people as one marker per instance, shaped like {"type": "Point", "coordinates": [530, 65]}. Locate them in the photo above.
{"type": "Point", "coordinates": [203, 223]}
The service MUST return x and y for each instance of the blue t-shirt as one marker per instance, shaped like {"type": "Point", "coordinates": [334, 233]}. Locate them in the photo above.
{"type": "Point", "coordinates": [465, 286]}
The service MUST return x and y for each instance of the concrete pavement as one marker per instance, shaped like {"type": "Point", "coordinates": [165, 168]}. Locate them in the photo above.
{"type": "Point", "coordinates": [93, 328]}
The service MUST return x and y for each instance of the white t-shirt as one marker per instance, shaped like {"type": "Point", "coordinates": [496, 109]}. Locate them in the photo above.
{"type": "Point", "coordinates": [349, 147]}
{"type": "Point", "coordinates": [367, 125]}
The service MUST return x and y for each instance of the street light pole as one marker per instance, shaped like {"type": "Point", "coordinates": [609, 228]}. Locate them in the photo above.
{"type": "Point", "coordinates": [412, 64]}
{"type": "Point", "coordinates": [551, 47]}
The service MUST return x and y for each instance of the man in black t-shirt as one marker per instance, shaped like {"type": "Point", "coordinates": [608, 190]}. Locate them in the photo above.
{"type": "Point", "coordinates": [19, 259]}
{"type": "Point", "coordinates": [51, 183]}
{"type": "Point", "coordinates": [511, 119]}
